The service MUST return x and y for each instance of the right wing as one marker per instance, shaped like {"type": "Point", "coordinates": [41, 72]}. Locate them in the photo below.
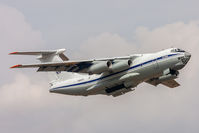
{"type": "Point", "coordinates": [169, 83]}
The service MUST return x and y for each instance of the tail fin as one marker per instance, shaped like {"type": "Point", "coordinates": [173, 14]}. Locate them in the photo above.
{"type": "Point", "coordinates": [49, 56]}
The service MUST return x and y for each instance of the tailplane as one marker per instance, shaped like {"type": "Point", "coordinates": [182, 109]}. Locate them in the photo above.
{"type": "Point", "coordinates": [50, 56]}
{"type": "Point", "coordinates": [46, 56]}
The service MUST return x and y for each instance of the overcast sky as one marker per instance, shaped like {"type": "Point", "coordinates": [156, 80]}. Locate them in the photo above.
{"type": "Point", "coordinates": [91, 29]}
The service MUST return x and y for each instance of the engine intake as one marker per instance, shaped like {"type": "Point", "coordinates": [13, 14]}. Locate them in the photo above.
{"type": "Point", "coordinates": [100, 67]}
{"type": "Point", "coordinates": [107, 66]}
{"type": "Point", "coordinates": [121, 65]}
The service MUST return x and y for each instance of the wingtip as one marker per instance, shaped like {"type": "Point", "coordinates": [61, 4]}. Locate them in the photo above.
{"type": "Point", "coordinates": [13, 53]}
{"type": "Point", "coordinates": [15, 66]}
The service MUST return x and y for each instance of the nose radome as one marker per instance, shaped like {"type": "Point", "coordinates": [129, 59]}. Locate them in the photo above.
{"type": "Point", "coordinates": [187, 55]}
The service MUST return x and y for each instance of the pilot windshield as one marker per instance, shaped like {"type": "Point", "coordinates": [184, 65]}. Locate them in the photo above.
{"type": "Point", "coordinates": [177, 50]}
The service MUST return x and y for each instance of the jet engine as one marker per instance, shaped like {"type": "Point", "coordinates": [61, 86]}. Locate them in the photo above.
{"type": "Point", "coordinates": [100, 67]}
{"type": "Point", "coordinates": [121, 65]}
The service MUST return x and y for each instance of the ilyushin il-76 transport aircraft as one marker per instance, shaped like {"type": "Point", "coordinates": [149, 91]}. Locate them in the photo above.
{"type": "Point", "coordinates": [108, 76]}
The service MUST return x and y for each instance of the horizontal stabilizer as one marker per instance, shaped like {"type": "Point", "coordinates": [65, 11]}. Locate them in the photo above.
{"type": "Point", "coordinates": [38, 52]}
{"type": "Point", "coordinates": [44, 53]}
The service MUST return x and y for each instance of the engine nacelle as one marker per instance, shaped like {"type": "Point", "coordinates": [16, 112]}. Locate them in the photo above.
{"type": "Point", "coordinates": [100, 67]}
{"type": "Point", "coordinates": [121, 65]}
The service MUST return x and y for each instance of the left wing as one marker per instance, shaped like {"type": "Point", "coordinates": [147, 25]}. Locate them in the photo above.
{"type": "Point", "coordinates": [70, 66]}
{"type": "Point", "coordinates": [81, 66]}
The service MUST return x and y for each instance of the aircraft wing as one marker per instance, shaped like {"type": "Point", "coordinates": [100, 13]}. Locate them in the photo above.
{"type": "Point", "coordinates": [70, 66]}
{"type": "Point", "coordinates": [81, 66]}
{"type": "Point", "coordinates": [169, 83]}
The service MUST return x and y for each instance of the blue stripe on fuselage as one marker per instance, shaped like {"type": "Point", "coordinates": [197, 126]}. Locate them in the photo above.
{"type": "Point", "coordinates": [147, 62]}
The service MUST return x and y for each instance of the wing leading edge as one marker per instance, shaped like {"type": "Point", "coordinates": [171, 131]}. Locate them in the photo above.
{"type": "Point", "coordinates": [69, 66]}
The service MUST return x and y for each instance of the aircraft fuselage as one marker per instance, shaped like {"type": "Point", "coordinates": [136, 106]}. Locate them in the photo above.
{"type": "Point", "coordinates": [143, 68]}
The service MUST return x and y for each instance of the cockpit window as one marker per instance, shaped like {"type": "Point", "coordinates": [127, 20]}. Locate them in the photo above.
{"type": "Point", "coordinates": [177, 50]}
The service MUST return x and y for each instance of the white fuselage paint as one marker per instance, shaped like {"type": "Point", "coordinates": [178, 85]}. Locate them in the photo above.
{"type": "Point", "coordinates": [146, 65]}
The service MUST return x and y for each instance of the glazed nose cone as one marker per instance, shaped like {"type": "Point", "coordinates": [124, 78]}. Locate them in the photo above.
{"type": "Point", "coordinates": [186, 58]}
{"type": "Point", "coordinates": [187, 55]}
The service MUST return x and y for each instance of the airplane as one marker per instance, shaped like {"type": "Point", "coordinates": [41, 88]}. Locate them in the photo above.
{"type": "Point", "coordinates": [108, 76]}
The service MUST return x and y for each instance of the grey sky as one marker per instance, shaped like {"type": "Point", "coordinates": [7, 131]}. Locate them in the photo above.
{"type": "Point", "coordinates": [89, 29]}
{"type": "Point", "coordinates": [62, 21]}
